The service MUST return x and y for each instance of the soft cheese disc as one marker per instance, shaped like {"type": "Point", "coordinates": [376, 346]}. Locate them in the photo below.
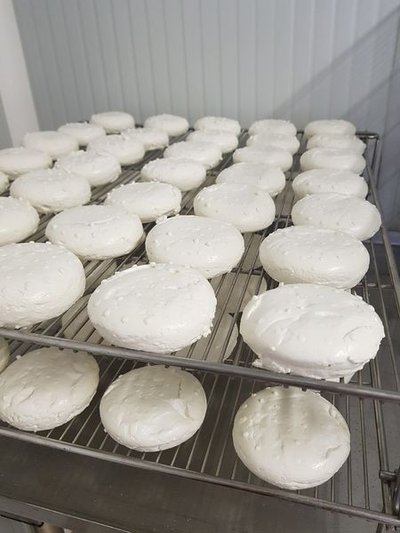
{"type": "Point", "coordinates": [95, 231]}
{"type": "Point", "coordinates": [306, 254]}
{"type": "Point", "coordinates": [349, 214]}
{"type": "Point", "coordinates": [98, 169]}
{"type": "Point", "coordinates": [18, 220]}
{"type": "Point", "coordinates": [19, 160]}
{"type": "Point", "coordinates": [341, 142]}
{"type": "Point", "coordinates": [154, 308]}
{"type": "Point", "coordinates": [151, 138]}
{"type": "Point", "coordinates": [270, 179]}
{"type": "Point", "coordinates": [332, 158]}
{"type": "Point", "coordinates": [153, 408]}
{"type": "Point", "coordinates": [210, 246]}
{"type": "Point", "coordinates": [127, 150]}
{"type": "Point", "coordinates": [171, 124]}
{"type": "Point", "coordinates": [248, 208]}
{"type": "Point", "coordinates": [47, 387]}
{"type": "Point", "coordinates": [82, 132]}
{"type": "Point", "coordinates": [206, 153]}
{"type": "Point", "coordinates": [38, 281]}
{"type": "Point", "coordinates": [225, 140]}
{"type": "Point", "coordinates": [54, 143]}
{"type": "Point", "coordinates": [4, 354]}
{"type": "Point", "coordinates": [149, 201]}
{"type": "Point", "coordinates": [185, 174]}
{"type": "Point", "coordinates": [218, 123]}
{"type": "Point", "coordinates": [290, 143]}
{"type": "Point", "coordinates": [273, 126]}
{"type": "Point", "coordinates": [320, 180]}
{"type": "Point", "coordinates": [329, 127]}
{"type": "Point", "coordinates": [51, 190]}
{"type": "Point", "coordinates": [291, 438]}
{"type": "Point", "coordinates": [113, 121]}
{"type": "Point", "coordinates": [311, 330]}
{"type": "Point", "coordinates": [268, 155]}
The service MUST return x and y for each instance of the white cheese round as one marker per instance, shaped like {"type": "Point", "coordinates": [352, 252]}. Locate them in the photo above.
{"type": "Point", "coordinates": [171, 124]}
{"type": "Point", "coordinates": [113, 121]}
{"type": "Point", "coordinates": [54, 143]}
{"type": "Point", "coordinates": [341, 142]}
{"type": "Point", "coordinates": [185, 174]}
{"type": "Point", "coordinates": [290, 143]}
{"type": "Point", "coordinates": [321, 180]}
{"type": "Point", "coordinates": [218, 123]}
{"type": "Point", "coordinates": [82, 132]}
{"type": "Point", "coordinates": [329, 127]}
{"type": "Point", "coordinates": [98, 169]}
{"type": "Point", "coordinates": [270, 179]}
{"type": "Point", "coordinates": [18, 220]}
{"type": "Point", "coordinates": [206, 153]}
{"type": "Point", "coordinates": [332, 158]}
{"type": "Point", "coordinates": [127, 150]}
{"type": "Point", "coordinates": [151, 138]}
{"type": "Point", "coordinates": [268, 155]}
{"type": "Point", "coordinates": [225, 140]}
{"type": "Point", "coordinates": [20, 160]}
{"type": "Point", "coordinates": [273, 126]}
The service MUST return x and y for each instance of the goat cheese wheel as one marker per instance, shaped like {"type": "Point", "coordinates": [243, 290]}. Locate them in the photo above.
{"type": "Point", "coordinates": [185, 174]}
{"type": "Point", "coordinates": [291, 438]}
{"type": "Point", "coordinates": [113, 121]}
{"type": "Point", "coordinates": [306, 254]}
{"type": "Point", "coordinates": [349, 214]}
{"type": "Point", "coordinates": [321, 180]}
{"type": "Point", "coordinates": [225, 140]}
{"type": "Point", "coordinates": [153, 408]}
{"type": "Point", "coordinates": [51, 190]}
{"type": "Point", "coordinates": [54, 143]}
{"type": "Point", "coordinates": [171, 124]}
{"type": "Point", "coordinates": [38, 281]}
{"type": "Point", "coordinates": [311, 330]}
{"type": "Point", "coordinates": [332, 158]}
{"type": "Point", "coordinates": [290, 143]}
{"type": "Point", "coordinates": [149, 201]}
{"type": "Point", "coordinates": [82, 132]}
{"type": "Point", "coordinates": [218, 123]}
{"type": "Point", "coordinates": [206, 153]}
{"type": "Point", "coordinates": [247, 208]}
{"type": "Point", "coordinates": [329, 127]}
{"type": "Point", "coordinates": [154, 308]}
{"type": "Point", "coordinates": [20, 160]}
{"type": "Point", "coordinates": [273, 126]}
{"type": "Point", "coordinates": [5, 353]}
{"type": "Point", "coordinates": [98, 169]}
{"type": "Point", "coordinates": [269, 179]}
{"type": "Point", "coordinates": [18, 220]}
{"type": "Point", "coordinates": [340, 142]}
{"type": "Point", "coordinates": [151, 138]}
{"type": "Point", "coordinates": [127, 150]}
{"type": "Point", "coordinates": [210, 246]}
{"type": "Point", "coordinates": [3, 182]}
{"type": "Point", "coordinates": [47, 387]}
{"type": "Point", "coordinates": [268, 155]}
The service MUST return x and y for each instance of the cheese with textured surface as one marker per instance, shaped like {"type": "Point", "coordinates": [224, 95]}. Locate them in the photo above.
{"type": "Point", "coordinates": [128, 151]}
{"type": "Point", "coordinates": [291, 438]}
{"type": "Point", "coordinates": [206, 153]}
{"type": "Point", "coordinates": [153, 408]}
{"type": "Point", "coordinates": [38, 281]}
{"type": "Point", "coordinates": [218, 123]}
{"type": "Point", "coordinates": [273, 126]}
{"type": "Point", "coordinates": [82, 132]}
{"type": "Point", "coordinates": [18, 220]}
{"type": "Point", "coordinates": [210, 246]}
{"type": "Point", "coordinates": [268, 155]}
{"type": "Point", "coordinates": [151, 138]}
{"type": "Point", "coordinates": [270, 179]}
{"type": "Point", "coordinates": [20, 160]}
{"type": "Point", "coordinates": [225, 140]}
{"type": "Point", "coordinates": [321, 180]}
{"type": "Point", "coordinates": [185, 174]}
{"type": "Point", "coordinates": [47, 387]}
{"type": "Point", "coordinates": [51, 190]}
{"type": "Point", "coordinates": [332, 158]}
{"type": "Point", "coordinates": [311, 330]}
{"type": "Point", "coordinates": [154, 308]}
{"type": "Point", "coordinates": [54, 143]}
{"type": "Point", "coordinates": [4, 354]}
{"type": "Point", "coordinates": [349, 214]}
{"type": "Point", "coordinates": [98, 169]}
{"type": "Point", "coordinates": [329, 127]}
{"type": "Point", "coordinates": [248, 208]}
{"type": "Point", "coordinates": [171, 124]}
{"type": "Point", "coordinates": [341, 142]}
{"type": "Point", "coordinates": [113, 121]}
{"type": "Point", "coordinates": [290, 143]}
{"type": "Point", "coordinates": [149, 201]}
{"type": "Point", "coordinates": [95, 231]}
{"type": "Point", "coordinates": [306, 254]}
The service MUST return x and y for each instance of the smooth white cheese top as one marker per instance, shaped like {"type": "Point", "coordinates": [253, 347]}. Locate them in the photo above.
{"type": "Point", "coordinates": [19, 160]}
{"type": "Point", "coordinates": [154, 308]}
{"type": "Point", "coordinates": [151, 138]}
{"type": "Point", "coordinates": [226, 140]}
{"type": "Point", "coordinates": [218, 123]}
{"type": "Point", "coordinates": [306, 254]}
{"type": "Point", "coordinates": [127, 150]}
{"type": "Point", "coordinates": [47, 387]}
{"type": "Point", "coordinates": [291, 438]}
{"type": "Point", "coordinates": [98, 169]}
{"type": "Point", "coordinates": [329, 127]}
{"type": "Point", "coordinates": [18, 220]}
{"type": "Point", "coordinates": [290, 143]}
{"type": "Point", "coordinates": [311, 330]}
{"type": "Point", "coordinates": [211, 246]}
{"type": "Point", "coordinates": [149, 201]}
{"type": "Point", "coordinates": [349, 214]}
{"type": "Point", "coordinates": [3, 182]}
{"type": "Point", "coordinates": [185, 174]}
{"type": "Point", "coordinates": [273, 126]}
{"type": "Point", "coordinates": [329, 180]}
{"type": "Point", "coordinates": [153, 408]}
{"type": "Point", "coordinates": [269, 179]}
{"type": "Point", "coordinates": [342, 142]}
{"type": "Point", "coordinates": [268, 155]}
{"type": "Point", "coordinates": [38, 281]}
{"type": "Point", "coordinates": [54, 143]}
{"type": "Point", "coordinates": [82, 132]}
{"type": "Point", "coordinates": [248, 208]}
{"type": "Point", "coordinates": [332, 158]}
{"type": "Point", "coordinates": [113, 121]}
{"type": "Point", "coordinates": [4, 353]}
{"type": "Point", "coordinates": [51, 190]}
{"type": "Point", "coordinates": [206, 153]}
{"type": "Point", "coordinates": [171, 124]}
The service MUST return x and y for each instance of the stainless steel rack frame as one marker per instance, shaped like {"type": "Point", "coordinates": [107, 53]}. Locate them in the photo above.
{"type": "Point", "coordinates": [370, 404]}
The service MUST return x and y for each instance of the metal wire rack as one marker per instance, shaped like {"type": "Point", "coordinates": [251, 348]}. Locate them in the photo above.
{"type": "Point", "coordinates": [369, 403]}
